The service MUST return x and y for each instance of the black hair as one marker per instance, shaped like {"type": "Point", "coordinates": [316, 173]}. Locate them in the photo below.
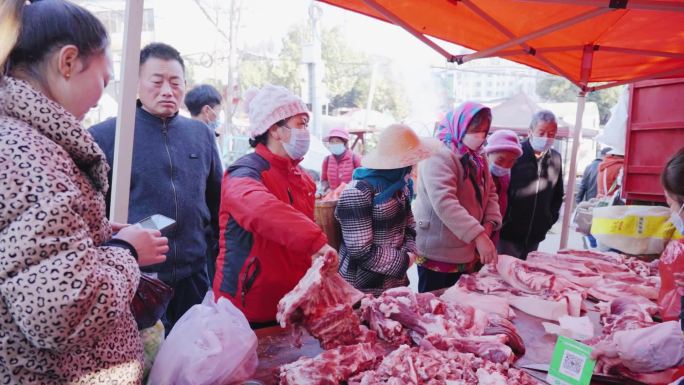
{"type": "Point", "coordinates": [161, 51]}
{"type": "Point", "coordinates": [484, 113]}
{"type": "Point", "coordinates": [672, 177]}
{"type": "Point", "coordinates": [263, 138]}
{"type": "Point", "coordinates": [200, 96]}
{"type": "Point", "coordinates": [49, 25]}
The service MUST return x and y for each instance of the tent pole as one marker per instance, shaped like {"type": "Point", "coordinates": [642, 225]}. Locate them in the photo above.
{"type": "Point", "coordinates": [533, 35]}
{"type": "Point", "coordinates": [570, 190]}
{"type": "Point", "coordinates": [125, 122]}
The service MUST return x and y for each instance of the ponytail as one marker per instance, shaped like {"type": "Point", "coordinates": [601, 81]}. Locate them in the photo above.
{"type": "Point", "coordinates": [10, 26]}
{"type": "Point", "coordinates": [36, 30]}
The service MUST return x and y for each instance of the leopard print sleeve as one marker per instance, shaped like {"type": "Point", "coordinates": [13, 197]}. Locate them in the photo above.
{"type": "Point", "coordinates": [63, 291]}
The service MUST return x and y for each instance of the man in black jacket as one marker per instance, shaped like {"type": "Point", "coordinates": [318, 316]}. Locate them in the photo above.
{"type": "Point", "coordinates": [176, 172]}
{"type": "Point", "coordinates": [589, 187]}
{"type": "Point", "coordinates": [535, 195]}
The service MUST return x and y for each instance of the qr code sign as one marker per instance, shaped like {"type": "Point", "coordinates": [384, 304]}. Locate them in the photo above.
{"type": "Point", "coordinates": [572, 365]}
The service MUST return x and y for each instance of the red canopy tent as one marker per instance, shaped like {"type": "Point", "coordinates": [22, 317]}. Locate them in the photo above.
{"type": "Point", "coordinates": [595, 44]}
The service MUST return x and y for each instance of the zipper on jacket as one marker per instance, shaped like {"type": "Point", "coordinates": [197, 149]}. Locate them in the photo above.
{"type": "Point", "coordinates": [289, 194]}
{"type": "Point", "coordinates": [165, 133]}
{"type": "Point", "coordinates": [536, 195]}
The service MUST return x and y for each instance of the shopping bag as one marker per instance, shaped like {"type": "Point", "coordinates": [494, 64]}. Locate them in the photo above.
{"type": "Point", "coordinates": [669, 297]}
{"type": "Point", "coordinates": [632, 229]}
{"type": "Point", "coordinates": [583, 216]}
{"type": "Point", "coordinates": [211, 344]}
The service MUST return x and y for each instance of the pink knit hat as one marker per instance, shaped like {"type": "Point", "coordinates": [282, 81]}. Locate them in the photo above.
{"type": "Point", "coordinates": [503, 140]}
{"type": "Point", "coordinates": [337, 132]}
{"type": "Point", "coordinates": [269, 105]}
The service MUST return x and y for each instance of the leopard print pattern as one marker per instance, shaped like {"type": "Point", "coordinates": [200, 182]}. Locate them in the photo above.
{"type": "Point", "coordinates": [64, 298]}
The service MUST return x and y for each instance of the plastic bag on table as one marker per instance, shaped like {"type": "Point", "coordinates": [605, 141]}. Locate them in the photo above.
{"type": "Point", "coordinates": [211, 343]}
{"type": "Point", "coordinates": [671, 261]}
{"type": "Point", "coordinates": [633, 229]}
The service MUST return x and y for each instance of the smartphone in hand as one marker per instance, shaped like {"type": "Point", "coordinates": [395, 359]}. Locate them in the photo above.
{"type": "Point", "coordinates": [157, 222]}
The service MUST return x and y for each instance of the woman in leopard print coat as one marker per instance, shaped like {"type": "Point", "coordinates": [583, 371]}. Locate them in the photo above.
{"type": "Point", "coordinates": [65, 286]}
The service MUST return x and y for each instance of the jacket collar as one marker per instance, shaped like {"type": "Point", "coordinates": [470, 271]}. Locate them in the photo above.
{"type": "Point", "coordinates": [19, 100]}
{"type": "Point", "coordinates": [276, 161]}
{"type": "Point", "coordinates": [152, 118]}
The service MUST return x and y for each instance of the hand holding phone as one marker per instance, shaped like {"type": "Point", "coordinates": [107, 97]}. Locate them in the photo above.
{"type": "Point", "coordinates": [148, 242]}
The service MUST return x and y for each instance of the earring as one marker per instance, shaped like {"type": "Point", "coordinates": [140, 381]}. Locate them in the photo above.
{"type": "Point", "coordinates": [68, 75]}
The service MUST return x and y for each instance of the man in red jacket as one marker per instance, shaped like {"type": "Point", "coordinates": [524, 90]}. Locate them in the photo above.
{"type": "Point", "coordinates": [268, 236]}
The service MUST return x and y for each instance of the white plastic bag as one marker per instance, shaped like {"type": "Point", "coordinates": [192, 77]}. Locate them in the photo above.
{"type": "Point", "coordinates": [211, 343]}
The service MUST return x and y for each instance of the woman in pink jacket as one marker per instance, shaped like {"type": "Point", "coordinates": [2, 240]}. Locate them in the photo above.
{"type": "Point", "coordinates": [339, 166]}
{"type": "Point", "coordinates": [502, 150]}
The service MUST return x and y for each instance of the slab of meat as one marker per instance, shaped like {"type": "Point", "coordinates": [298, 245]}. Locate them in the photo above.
{"type": "Point", "coordinates": [487, 303]}
{"type": "Point", "coordinates": [330, 367]}
{"type": "Point", "coordinates": [426, 365]}
{"type": "Point", "coordinates": [609, 289]}
{"type": "Point", "coordinates": [574, 271]}
{"type": "Point", "coordinates": [532, 290]}
{"type": "Point", "coordinates": [492, 348]}
{"type": "Point", "coordinates": [322, 303]}
{"type": "Point", "coordinates": [400, 316]}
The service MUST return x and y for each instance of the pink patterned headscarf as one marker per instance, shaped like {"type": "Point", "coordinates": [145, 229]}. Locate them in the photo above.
{"type": "Point", "coordinates": [451, 131]}
{"type": "Point", "coordinates": [455, 123]}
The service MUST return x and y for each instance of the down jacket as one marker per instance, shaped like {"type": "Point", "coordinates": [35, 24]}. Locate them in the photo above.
{"type": "Point", "coordinates": [268, 233]}
{"type": "Point", "coordinates": [64, 297]}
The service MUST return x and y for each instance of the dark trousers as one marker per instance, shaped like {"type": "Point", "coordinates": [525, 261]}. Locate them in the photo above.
{"type": "Point", "coordinates": [187, 292]}
{"type": "Point", "coordinates": [514, 249]}
{"type": "Point", "coordinates": [261, 325]}
{"type": "Point", "coordinates": [430, 280]}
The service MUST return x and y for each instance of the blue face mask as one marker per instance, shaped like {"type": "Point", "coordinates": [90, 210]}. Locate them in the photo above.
{"type": "Point", "coordinates": [337, 148]}
{"type": "Point", "coordinates": [498, 170]}
{"type": "Point", "coordinates": [299, 142]}
{"type": "Point", "coordinates": [541, 143]}
{"type": "Point", "coordinates": [214, 125]}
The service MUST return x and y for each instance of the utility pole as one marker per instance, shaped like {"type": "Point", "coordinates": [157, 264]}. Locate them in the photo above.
{"type": "Point", "coordinates": [311, 56]}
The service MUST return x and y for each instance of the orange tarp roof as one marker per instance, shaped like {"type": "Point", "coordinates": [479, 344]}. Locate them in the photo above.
{"type": "Point", "coordinates": [621, 45]}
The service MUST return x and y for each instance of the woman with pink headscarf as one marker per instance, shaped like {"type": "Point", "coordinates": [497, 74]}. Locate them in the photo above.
{"type": "Point", "coordinates": [457, 206]}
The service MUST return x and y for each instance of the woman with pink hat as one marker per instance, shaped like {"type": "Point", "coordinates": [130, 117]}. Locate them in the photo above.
{"type": "Point", "coordinates": [378, 230]}
{"type": "Point", "coordinates": [268, 233]}
{"type": "Point", "coordinates": [457, 206]}
{"type": "Point", "coordinates": [339, 166]}
{"type": "Point", "coordinates": [502, 150]}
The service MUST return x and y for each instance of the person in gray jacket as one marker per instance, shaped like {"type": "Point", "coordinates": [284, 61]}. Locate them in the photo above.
{"type": "Point", "coordinates": [176, 172]}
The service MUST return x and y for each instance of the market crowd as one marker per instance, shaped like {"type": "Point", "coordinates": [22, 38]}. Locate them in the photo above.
{"type": "Point", "coordinates": [68, 275]}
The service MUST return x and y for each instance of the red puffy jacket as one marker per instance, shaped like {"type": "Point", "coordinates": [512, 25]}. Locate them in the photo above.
{"type": "Point", "coordinates": [267, 232]}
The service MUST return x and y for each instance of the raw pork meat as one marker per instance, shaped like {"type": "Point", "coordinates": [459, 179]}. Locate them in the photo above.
{"type": "Point", "coordinates": [487, 303]}
{"type": "Point", "coordinates": [400, 316]}
{"type": "Point", "coordinates": [529, 289]}
{"type": "Point", "coordinates": [609, 289]}
{"type": "Point", "coordinates": [426, 365]}
{"type": "Point", "coordinates": [330, 367]}
{"type": "Point", "coordinates": [322, 304]}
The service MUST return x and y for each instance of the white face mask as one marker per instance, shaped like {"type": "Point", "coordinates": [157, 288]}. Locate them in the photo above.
{"type": "Point", "coordinates": [541, 143]}
{"type": "Point", "coordinates": [337, 148]}
{"type": "Point", "coordinates": [474, 141]}
{"type": "Point", "coordinates": [677, 221]}
{"type": "Point", "coordinates": [498, 170]}
{"type": "Point", "coordinates": [299, 142]}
